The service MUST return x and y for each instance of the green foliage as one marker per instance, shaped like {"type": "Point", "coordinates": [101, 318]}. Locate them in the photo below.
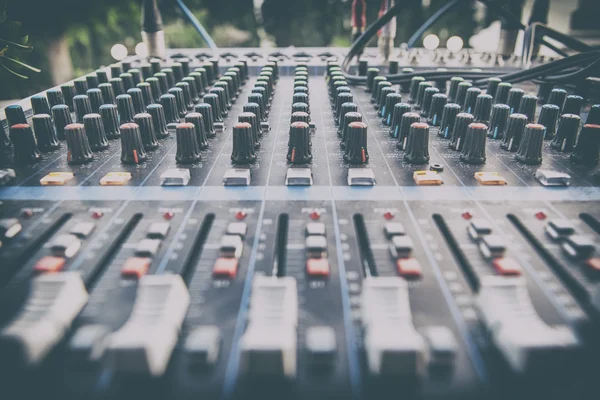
{"type": "Point", "coordinates": [13, 42]}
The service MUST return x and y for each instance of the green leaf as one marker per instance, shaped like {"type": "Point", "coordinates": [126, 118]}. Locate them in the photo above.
{"type": "Point", "coordinates": [22, 64]}
{"type": "Point", "coordinates": [13, 72]}
{"type": "Point", "coordinates": [17, 45]}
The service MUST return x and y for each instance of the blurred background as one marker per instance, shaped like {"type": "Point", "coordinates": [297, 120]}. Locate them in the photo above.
{"type": "Point", "coordinates": [73, 37]}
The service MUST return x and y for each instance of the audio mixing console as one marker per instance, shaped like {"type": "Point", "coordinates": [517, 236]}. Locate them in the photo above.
{"type": "Point", "coordinates": [254, 226]}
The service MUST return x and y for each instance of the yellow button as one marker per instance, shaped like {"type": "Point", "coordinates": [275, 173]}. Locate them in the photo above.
{"type": "Point", "coordinates": [56, 178]}
{"type": "Point", "coordinates": [427, 178]}
{"type": "Point", "coordinates": [490, 178]}
{"type": "Point", "coordinates": [115, 179]}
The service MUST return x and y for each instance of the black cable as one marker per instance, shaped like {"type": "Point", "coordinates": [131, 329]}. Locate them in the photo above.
{"type": "Point", "coordinates": [430, 21]}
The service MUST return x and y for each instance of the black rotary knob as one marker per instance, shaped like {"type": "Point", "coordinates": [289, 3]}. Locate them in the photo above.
{"type": "Point", "coordinates": [471, 100]}
{"type": "Point", "coordinates": [300, 107]}
{"type": "Point", "coordinates": [117, 85]}
{"type": "Point", "coordinates": [94, 129]}
{"type": "Point", "coordinates": [222, 98]}
{"type": "Point", "coordinates": [154, 87]}
{"type": "Point", "coordinates": [127, 79]}
{"type": "Point", "coordinates": [346, 108]}
{"type": "Point", "coordinates": [82, 107]}
{"type": "Point", "coordinates": [198, 120]}
{"type": "Point", "coordinates": [436, 110]}
{"type": "Point", "coordinates": [108, 94]}
{"type": "Point", "coordinates": [45, 133]}
{"type": "Point", "coordinates": [137, 100]}
{"type": "Point", "coordinates": [158, 120]}
{"type": "Point", "coordinates": [427, 100]}
{"type": "Point", "coordinates": [527, 107]}
{"type": "Point", "coordinates": [136, 75]}
{"type": "Point", "coordinates": [514, 132]}
{"type": "Point", "coordinates": [557, 97]}
{"type": "Point", "coordinates": [55, 97]}
{"type": "Point", "coordinates": [180, 101]}
{"type": "Point", "coordinates": [215, 104]}
{"type": "Point", "coordinates": [163, 82]}
{"type": "Point", "coordinates": [188, 94]}
{"type": "Point", "coordinates": [304, 89]}
{"type": "Point", "coordinates": [229, 91]}
{"type": "Point", "coordinates": [24, 144]}
{"type": "Point", "coordinates": [125, 107]}
{"type": "Point", "coordinates": [243, 144]}
{"type": "Point", "coordinates": [399, 110]}
{"type": "Point", "coordinates": [423, 86]}
{"type": "Point", "coordinates": [195, 87]}
{"type": "Point", "coordinates": [498, 121]}
{"type": "Point", "coordinates": [501, 96]}
{"type": "Point", "coordinates": [79, 151]}
{"type": "Point", "coordinates": [169, 104]}
{"type": "Point", "coordinates": [15, 115]}
{"type": "Point", "coordinates": [549, 118]}
{"type": "Point", "coordinates": [417, 147]}
{"type": "Point", "coordinates": [169, 75]}
{"type": "Point", "coordinates": [544, 90]}
{"type": "Point", "coordinates": [448, 118]}
{"type": "Point", "coordinates": [261, 101]}
{"type": "Point", "coordinates": [207, 116]}
{"type": "Point", "coordinates": [371, 74]}
{"type": "Point", "coordinates": [453, 89]}
{"type": "Point", "coordinates": [68, 92]}
{"type": "Point", "coordinates": [147, 132]}
{"type": "Point", "coordinates": [132, 147]}
{"type": "Point", "coordinates": [473, 151]}
{"type": "Point", "coordinates": [459, 130]}
{"type": "Point", "coordinates": [303, 98]}
{"type": "Point", "coordinates": [573, 105]}
{"type": "Point", "coordinates": [116, 70]}
{"type": "Point", "coordinates": [348, 119]}
{"type": "Point", "coordinates": [588, 146]}
{"type": "Point", "coordinates": [110, 118]}
{"type": "Point", "coordinates": [492, 86]}
{"type": "Point", "coordinates": [387, 110]}
{"type": "Point", "coordinates": [253, 108]}
{"type": "Point", "coordinates": [530, 149]}
{"type": "Point", "coordinates": [414, 87]}
{"type": "Point", "coordinates": [483, 108]}
{"type": "Point", "coordinates": [356, 150]}
{"type": "Point", "coordinates": [342, 98]}
{"type": "Point", "coordinates": [300, 116]}
{"type": "Point", "coordinates": [40, 104]}
{"type": "Point", "coordinates": [96, 99]}
{"type": "Point", "coordinates": [405, 123]}
{"type": "Point", "coordinates": [251, 119]}
{"type": "Point", "coordinates": [147, 96]}
{"type": "Point", "coordinates": [188, 150]}
{"type": "Point", "coordinates": [299, 151]}
{"type": "Point", "coordinates": [568, 126]}
{"type": "Point", "coordinates": [102, 76]}
{"type": "Point", "coordinates": [594, 115]}
{"type": "Point", "coordinates": [81, 85]}
{"type": "Point", "coordinates": [461, 93]}
{"type": "Point", "coordinates": [514, 99]}
{"type": "Point", "coordinates": [380, 101]}
{"type": "Point", "coordinates": [62, 117]}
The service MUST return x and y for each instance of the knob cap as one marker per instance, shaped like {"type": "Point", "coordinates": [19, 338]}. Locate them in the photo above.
{"type": "Point", "coordinates": [15, 115]}
{"type": "Point", "coordinates": [483, 108]}
{"type": "Point", "coordinates": [453, 89]}
{"type": "Point", "coordinates": [40, 104]}
{"type": "Point", "coordinates": [346, 108]}
{"type": "Point", "coordinates": [189, 94]}
{"type": "Point", "coordinates": [299, 149]}
{"type": "Point", "coordinates": [448, 118]}
{"type": "Point", "coordinates": [528, 106]}
{"type": "Point", "coordinates": [371, 74]}
{"type": "Point", "coordinates": [55, 97]}
{"type": "Point", "coordinates": [198, 120]}
{"type": "Point", "coordinates": [62, 117]}
{"type": "Point", "coordinates": [473, 151]}
{"type": "Point", "coordinates": [300, 107]}
{"type": "Point", "coordinates": [436, 111]}
{"type": "Point", "coordinates": [303, 98]}
{"type": "Point", "coordinates": [108, 93]}
{"type": "Point", "coordinates": [514, 132]}
{"type": "Point", "coordinates": [45, 133]}
{"type": "Point", "coordinates": [213, 100]}
{"type": "Point", "coordinates": [380, 101]}
{"type": "Point", "coordinates": [251, 119]}
{"type": "Point", "coordinates": [137, 100]}
{"type": "Point", "coordinates": [170, 76]}
{"type": "Point", "coordinates": [427, 100]}
{"type": "Point", "coordinates": [147, 131]}
{"type": "Point", "coordinates": [423, 86]}
{"type": "Point", "coordinates": [163, 83]}
{"type": "Point", "coordinates": [94, 129]}
{"type": "Point", "coordinates": [207, 116]}
{"type": "Point", "coordinates": [300, 116]}
{"type": "Point", "coordinates": [514, 99]}
{"type": "Point", "coordinates": [132, 147]}
{"type": "Point", "coordinates": [356, 150]}
{"type": "Point", "coordinates": [459, 131]}
{"type": "Point", "coordinates": [492, 86]}
{"type": "Point", "coordinates": [498, 121]}
{"type": "Point", "coordinates": [79, 151]}
{"type": "Point", "coordinates": [180, 101]}
{"type": "Point", "coordinates": [345, 125]}
{"type": "Point", "coordinates": [594, 115]}
{"type": "Point", "coordinates": [25, 147]}
{"type": "Point", "coordinates": [557, 97]}
{"type": "Point", "coordinates": [417, 147]}
{"type": "Point", "coordinates": [110, 118]}
{"type": "Point", "coordinates": [568, 126]}
{"type": "Point", "coordinates": [96, 99]}
{"type": "Point", "coordinates": [342, 99]}
{"type": "Point", "coordinates": [549, 118]}
{"type": "Point", "coordinates": [127, 79]}
{"type": "Point", "coordinates": [147, 96]}
{"type": "Point", "coordinates": [387, 110]}
{"type": "Point", "coordinates": [501, 96]}
{"type": "Point", "coordinates": [530, 149]}
{"type": "Point", "coordinates": [243, 144]}
{"type": "Point", "coordinates": [188, 151]}
{"type": "Point", "coordinates": [227, 94]}
{"type": "Point", "coordinates": [461, 93]}
{"type": "Point", "coordinates": [125, 107]}
{"type": "Point", "coordinates": [117, 85]}
{"type": "Point", "coordinates": [414, 87]}
{"type": "Point", "coordinates": [407, 120]}
{"type": "Point", "coordinates": [154, 87]}
{"type": "Point", "coordinates": [260, 100]}
{"type": "Point", "coordinates": [169, 104]}
{"type": "Point", "coordinates": [471, 100]}
{"type": "Point", "coordinates": [253, 108]}
{"type": "Point", "coordinates": [68, 92]}
{"type": "Point", "coordinates": [195, 87]}
{"type": "Point", "coordinates": [573, 105]}
{"type": "Point", "coordinates": [399, 110]}
{"type": "Point", "coordinates": [82, 107]}
{"type": "Point", "coordinates": [588, 146]}
{"type": "Point", "coordinates": [158, 120]}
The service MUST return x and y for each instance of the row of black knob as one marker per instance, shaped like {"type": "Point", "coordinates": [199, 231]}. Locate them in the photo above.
{"type": "Point", "coordinates": [299, 139]}
{"type": "Point", "coordinates": [351, 129]}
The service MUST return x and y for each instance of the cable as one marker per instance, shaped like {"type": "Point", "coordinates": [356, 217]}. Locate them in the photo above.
{"type": "Point", "coordinates": [197, 25]}
{"type": "Point", "coordinates": [432, 20]}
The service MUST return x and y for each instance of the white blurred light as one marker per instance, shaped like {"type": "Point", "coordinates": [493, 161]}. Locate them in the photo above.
{"type": "Point", "coordinates": [431, 42]}
{"type": "Point", "coordinates": [118, 52]}
{"type": "Point", "coordinates": [454, 43]}
{"type": "Point", "coordinates": [141, 50]}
